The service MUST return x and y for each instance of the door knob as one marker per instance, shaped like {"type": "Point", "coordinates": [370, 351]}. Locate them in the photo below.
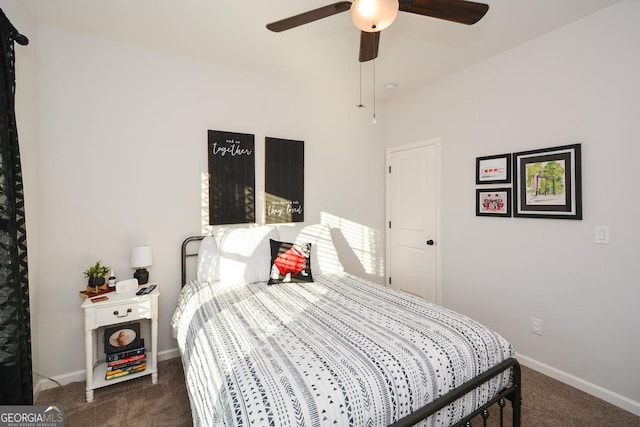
{"type": "Point", "coordinates": [430, 242]}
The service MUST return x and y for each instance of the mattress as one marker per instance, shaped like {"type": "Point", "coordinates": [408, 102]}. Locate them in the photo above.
{"type": "Point", "coordinates": [340, 351]}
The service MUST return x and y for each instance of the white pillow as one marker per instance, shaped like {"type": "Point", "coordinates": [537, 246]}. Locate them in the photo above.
{"type": "Point", "coordinates": [324, 256]}
{"type": "Point", "coordinates": [244, 253]}
{"type": "Point", "coordinates": [208, 260]}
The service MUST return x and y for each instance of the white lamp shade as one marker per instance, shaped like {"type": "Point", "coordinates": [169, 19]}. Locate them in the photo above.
{"type": "Point", "coordinates": [374, 15]}
{"type": "Point", "coordinates": [141, 256]}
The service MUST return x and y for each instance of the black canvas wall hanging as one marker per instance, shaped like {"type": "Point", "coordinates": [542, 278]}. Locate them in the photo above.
{"type": "Point", "coordinates": [231, 178]}
{"type": "Point", "coordinates": [284, 181]}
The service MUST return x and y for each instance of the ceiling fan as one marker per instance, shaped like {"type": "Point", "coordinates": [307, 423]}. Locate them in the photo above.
{"type": "Point", "coordinates": [372, 16]}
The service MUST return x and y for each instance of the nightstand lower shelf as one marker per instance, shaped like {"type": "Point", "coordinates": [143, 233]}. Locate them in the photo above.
{"type": "Point", "coordinates": [100, 371]}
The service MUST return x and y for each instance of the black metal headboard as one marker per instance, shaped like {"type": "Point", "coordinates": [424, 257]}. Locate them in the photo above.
{"type": "Point", "coordinates": [185, 255]}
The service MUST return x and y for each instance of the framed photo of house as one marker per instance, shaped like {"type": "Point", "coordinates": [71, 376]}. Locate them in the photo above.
{"type": "Point", "coordinates": [493, 169]}
{"type": "Point", "coordinates": [548, 183]}
{"type": "Point", "coordinates": [493, 202]}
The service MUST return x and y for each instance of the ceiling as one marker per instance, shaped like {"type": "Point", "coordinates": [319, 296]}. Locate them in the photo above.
{"type": "Point", "coordinates": [414, 50]}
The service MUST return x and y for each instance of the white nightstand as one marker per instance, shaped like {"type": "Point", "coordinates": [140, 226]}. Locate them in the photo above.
{"type": "Point", "coordinates": [119, 308]}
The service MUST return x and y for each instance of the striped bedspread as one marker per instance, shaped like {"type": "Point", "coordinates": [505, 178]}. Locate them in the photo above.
{"type": "Point", "coordinates": [337, 352]}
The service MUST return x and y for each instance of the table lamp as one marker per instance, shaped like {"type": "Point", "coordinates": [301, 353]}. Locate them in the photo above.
{"type": "Point", "coordinates": [140, 259]}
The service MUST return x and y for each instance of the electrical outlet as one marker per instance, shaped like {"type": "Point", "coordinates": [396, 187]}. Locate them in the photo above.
{"type": "Point", "coordinates": [536, 326]}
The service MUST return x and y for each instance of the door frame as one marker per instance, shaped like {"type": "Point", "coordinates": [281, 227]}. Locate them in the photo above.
{"type": "Point", "coordinates": [438, 161]}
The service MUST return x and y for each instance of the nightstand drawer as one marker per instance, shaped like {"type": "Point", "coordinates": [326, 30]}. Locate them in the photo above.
{"type": "Point", "coordinates": [123, 312]}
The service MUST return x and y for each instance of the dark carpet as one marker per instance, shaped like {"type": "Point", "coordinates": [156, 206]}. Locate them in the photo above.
{"type": "Point", "coordinates": [546, 403]}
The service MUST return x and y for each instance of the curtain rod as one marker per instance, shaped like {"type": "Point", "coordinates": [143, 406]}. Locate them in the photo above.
{"type": "Point", "coordinates": [13, 33]}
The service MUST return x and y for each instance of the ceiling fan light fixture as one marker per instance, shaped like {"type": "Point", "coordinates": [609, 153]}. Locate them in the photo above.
{"type": "Point", "coordinates": [374, 15]}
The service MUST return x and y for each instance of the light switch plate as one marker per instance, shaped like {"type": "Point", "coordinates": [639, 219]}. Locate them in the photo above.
{"type": "Point", "coordinates": [601, 234]}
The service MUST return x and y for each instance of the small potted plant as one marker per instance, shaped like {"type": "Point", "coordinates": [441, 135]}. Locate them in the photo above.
{"type": "Point", "coordinates": [96, 275]}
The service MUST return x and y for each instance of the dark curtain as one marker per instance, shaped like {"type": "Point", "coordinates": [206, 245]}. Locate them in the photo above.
{"type": "Point", "coordinates": [16, 383]}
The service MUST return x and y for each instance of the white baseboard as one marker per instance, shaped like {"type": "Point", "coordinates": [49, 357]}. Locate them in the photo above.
{"type": "Point", "coordinates": [168, 354]}
{"type": "Point", "coordinates": [590, 388]}
{"type": "Point", "coordinates": [45, 383]}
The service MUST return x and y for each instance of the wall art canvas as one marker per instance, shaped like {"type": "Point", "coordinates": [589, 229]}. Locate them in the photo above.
{"type": "Point", "coordinates": [548, 183]}
{"type": "Point", "coordinates": [231, 177]}
{"type": "Point", "coordinates": [284, 180]}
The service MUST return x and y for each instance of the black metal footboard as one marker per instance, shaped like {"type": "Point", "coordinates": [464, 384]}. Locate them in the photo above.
{"type": "Point", "coordinates": [512, 393]}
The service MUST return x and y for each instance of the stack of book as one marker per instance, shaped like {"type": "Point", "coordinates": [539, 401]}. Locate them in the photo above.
{"type": "Point", "coordinates": [126, 362]}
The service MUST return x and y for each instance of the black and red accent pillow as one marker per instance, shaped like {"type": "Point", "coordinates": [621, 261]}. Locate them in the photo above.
{"type": "Point", "coordinates": [290, 262]}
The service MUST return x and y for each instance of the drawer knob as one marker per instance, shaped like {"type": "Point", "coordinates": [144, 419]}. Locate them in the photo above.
{"type": "Point", "coordinates": [117, 313]}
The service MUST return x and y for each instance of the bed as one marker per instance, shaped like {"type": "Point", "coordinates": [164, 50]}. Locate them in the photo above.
{"type": "Point", "coordinates": [262, 347]}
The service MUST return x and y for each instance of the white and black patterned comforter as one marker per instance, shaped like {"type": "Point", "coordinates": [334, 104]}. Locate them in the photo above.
{"type": "Point", "coordinates": [337, 352]}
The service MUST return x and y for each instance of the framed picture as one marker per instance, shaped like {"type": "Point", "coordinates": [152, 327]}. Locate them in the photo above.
{"type": "Point", "coordinates": [232, 178]}
{"type": "Point", "coordinates": [284, 181]}
{"type": "Point", "coordinates": [493, 202]}
{"type": "Point", "coordinates": [548, 183]}
{"type": "Point", "coordinates": [121, 337]}
{"type": "Point", "coordinates": [493, 169]}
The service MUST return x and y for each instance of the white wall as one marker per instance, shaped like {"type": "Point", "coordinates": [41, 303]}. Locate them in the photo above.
{"type": "Point", "coordinates": [122, 151]}
{"type": "Point", "coordinates": [577, 84]}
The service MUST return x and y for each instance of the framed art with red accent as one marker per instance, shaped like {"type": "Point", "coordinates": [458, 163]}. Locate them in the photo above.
{"type": "Point", "coordinates": [493, 169]}
{"type": "Point", "coordinates": [493, 202]}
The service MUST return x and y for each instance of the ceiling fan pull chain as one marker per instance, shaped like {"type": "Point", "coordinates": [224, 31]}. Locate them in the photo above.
{"type": "Point", "coordinates": [374, 92]}
{"type": "Point", "coordinates": [360, 104]}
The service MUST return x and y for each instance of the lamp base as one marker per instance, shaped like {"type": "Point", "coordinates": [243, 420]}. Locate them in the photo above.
{"type": "Point", "coordinates": [142, 275]}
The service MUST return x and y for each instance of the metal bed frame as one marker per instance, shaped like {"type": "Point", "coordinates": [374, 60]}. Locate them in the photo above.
{"type": "Point", "coordinates": [513, 393]}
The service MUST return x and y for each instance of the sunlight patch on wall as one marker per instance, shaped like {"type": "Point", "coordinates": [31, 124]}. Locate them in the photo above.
{"type": "Point", "coordinates": [278, 209]}
{"type": "Point", "coordinates": [204, 204]}
{"type": "Point", "coordinates": [363, 240]}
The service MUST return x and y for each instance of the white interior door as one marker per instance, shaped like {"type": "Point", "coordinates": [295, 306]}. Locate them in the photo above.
{"type": "Point", "coordinates": [412, 197]}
